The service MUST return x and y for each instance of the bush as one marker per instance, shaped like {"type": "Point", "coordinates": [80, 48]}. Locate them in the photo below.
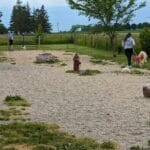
{"type": "Point", "coordinates": [145, 40]}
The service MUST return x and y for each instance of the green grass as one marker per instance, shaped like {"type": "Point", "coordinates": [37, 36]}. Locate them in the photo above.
{"type": "Point", "coordinates": [136, 148]}
{"type": "Point", "coordinates": [63, 64]}
{"type": "Point", "coordinates": [3, 59]}
{"type": "Point", "coordinates": [44, 136]}
{"type": "Point", "coordinates": [87, 72]}
{"type": "Point", "coordinates": [108, 145]}
{"type": "Point", "coordinates": [16, 101]}
{"type": "Point", "coordinates": [6, 115]}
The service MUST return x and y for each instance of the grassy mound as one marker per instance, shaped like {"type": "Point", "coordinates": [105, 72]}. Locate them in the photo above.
{"type": "Point", "coordinates": [16, 101]}
{"type": "Point", "coordinates": [40, 136]}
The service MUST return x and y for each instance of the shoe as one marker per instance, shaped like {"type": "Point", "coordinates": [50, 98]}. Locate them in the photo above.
{"type": "Point", "coordinates": [130, 67]}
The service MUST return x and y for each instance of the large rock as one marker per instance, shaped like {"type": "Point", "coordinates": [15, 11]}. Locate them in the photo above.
{"type": "Point", "coordinates": [46, 58]}
{"type": "Point", "coordinates": [146, 91]}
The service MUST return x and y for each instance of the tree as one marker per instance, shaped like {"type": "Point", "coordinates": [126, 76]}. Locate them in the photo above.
{"type": "Point", "coordinates": [145, 40]}
{"type": "Point", "coordinates": [108, 13]}
{"type": "Point", "coordinates": [0, 16]}
{"type": "Point", "coordinates": [20, 19]}
{"type": "Point", "coordinates": [75, 28]}
{"type": "Point", "coordinates": [3, 29]}
{"type": "Point", "coordinates": [40, 17]}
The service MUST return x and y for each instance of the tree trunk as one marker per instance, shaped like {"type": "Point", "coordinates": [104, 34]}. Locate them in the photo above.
{"type": "Point", "coordinates": [112, 38]}
{"type": "Point", "coordinates": [39, 41]}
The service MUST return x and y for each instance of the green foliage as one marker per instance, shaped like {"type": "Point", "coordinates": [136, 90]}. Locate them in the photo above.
{"type": "Point", "coordinates": [3, 29]}
{"type": "Point", "coordinates": [40, 17]}
{"type": "Point", "coordinates": [16, 101]}
{"type": "Point", "coordinates": [44, 147]}
{"type": "Point", "coordinates": [108, 13]}
{"type": "Point", "coordinates": [3, 59]}
{"type": "Point", "coordinates": [23, 22]}
{"type": "Point", "coordinates": [136, 71]}
{"type": "Point", "coordinates": [42, 136]}
{"type": "Point", "coordinates": [63, 64]}
{"type": "Point", "coordinates": [20, 18]}
{"type": "Point", "coordinates": [108, 145]}
{"type": "Point", "coordinates": [145, 40]}
{"type": "Point", "coordinates": [135, 148]}
{"type": "Point", "coordinates": [87, 72]}
{"type": "Point", "coordinates": [6, 114]}
{"type": "Point", "coordinates": [0, 16]}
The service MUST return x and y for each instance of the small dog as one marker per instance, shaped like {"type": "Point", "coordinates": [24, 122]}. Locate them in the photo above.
{"type": "Point", "coordinates": [126, 70]}
{"type": "Point", "coordinates": [141, 58]}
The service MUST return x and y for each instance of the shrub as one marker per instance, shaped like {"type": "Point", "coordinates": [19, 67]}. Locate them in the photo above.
{"type": "Point", "coordinates": [145, 40]}
{"type": "Point", "coordinates": [108, 145]}
{"type": "Point", "coordinates": [16, 101]}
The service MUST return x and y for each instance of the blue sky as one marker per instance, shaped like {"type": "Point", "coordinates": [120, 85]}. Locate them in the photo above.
{"type": "Point", "coordinates": [61, 16]}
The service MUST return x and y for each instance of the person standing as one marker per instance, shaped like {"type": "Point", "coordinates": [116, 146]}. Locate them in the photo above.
{"type": "Point", "coordinates": [128, 44]}
{"type": "Point", "coordinates": [10, 40]}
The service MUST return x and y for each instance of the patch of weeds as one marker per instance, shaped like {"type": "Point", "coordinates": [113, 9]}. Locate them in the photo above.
{"type": "Point", "coordinates": [63, 64]}
{"type": "Point", "coordinates": [132, 72]}
{"type": "Point", "coordinates": [67, 53]}
{"type": "Point", "coordinates": [86, 72]}
{"type": "Point", "coordinates": [108, 145]}
{"type": "Point", "coordinates": [16, 101]}
{"type": "Point", "coordinates": [100, 61]}
{"type": "Point", "coordinates": [3, 59]}
{"type": "Point", "coordinates": [17, 147]}
{"type": "Point", "coordinates": [89, 72]}
{"type": "Point", "coordinates": [20, 119]}
{"type": "Point", "coordinates": [135, 148]}
{"type": "Point", "coordinates": [136, 71]}
{"type": "Point", "coordinates": [6, 114]}
{"type": "Point", "coordinates": [44, 147]}
{"type": "Point", "coordinates": [43, 136]}
{"type": "Point", "coordinates": [23, 108]}
{"type": "Point", "coordinates": [72, 71]}
{"type": "Point", "coordinates": [9, 148]}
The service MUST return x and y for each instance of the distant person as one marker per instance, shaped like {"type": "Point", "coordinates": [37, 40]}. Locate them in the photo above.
{"type": "Point", "coordinates": [128, 44]}
{"type": "Point", "coordinates": [10, 40]}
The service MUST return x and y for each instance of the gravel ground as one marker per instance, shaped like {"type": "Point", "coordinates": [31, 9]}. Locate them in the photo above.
{"type": "Point", "coordinates": [107, 106]}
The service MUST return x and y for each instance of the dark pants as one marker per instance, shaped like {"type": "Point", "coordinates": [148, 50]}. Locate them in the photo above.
{"type": "Point", "coordinates": [10, 42]}
{"type": "Point", "coordinates": [129, 53]}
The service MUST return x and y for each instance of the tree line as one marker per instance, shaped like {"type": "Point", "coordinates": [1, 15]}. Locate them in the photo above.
{"type": "Point", "coordinates": [25, 21]}
{"type": "Point", "coordinates": [98, 27]}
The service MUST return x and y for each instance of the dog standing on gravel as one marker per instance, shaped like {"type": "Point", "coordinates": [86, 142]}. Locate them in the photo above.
{"type": "Point", "coordinates": [141, 58]}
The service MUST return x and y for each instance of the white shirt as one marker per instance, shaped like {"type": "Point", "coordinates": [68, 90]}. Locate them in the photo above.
{"type": "Point", "coordinates": [10, 36]}
{"type": "Point", "coordinates": [129, 43]}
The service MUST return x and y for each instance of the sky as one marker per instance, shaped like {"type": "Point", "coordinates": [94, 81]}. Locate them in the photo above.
{"type": "Point", "coordinates": [61, 16]}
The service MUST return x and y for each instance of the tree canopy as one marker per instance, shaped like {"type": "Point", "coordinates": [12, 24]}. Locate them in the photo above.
{"type": "Point", "coordinates": [23, 21]}
{"type": "Point", "coordinates": [0, 16]}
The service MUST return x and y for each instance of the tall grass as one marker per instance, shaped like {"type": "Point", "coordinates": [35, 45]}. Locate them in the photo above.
{"type": "Point", "coordinates": [99, 41]}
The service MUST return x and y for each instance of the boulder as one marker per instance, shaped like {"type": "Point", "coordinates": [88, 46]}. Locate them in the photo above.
{"type": "Point", "coordinates": [146, 91]}
{"type": "Point", "coordinates": [46, 58]}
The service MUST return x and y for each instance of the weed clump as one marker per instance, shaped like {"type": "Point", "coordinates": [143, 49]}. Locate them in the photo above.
{"type": "Point", "coordinates": [16, 101]}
